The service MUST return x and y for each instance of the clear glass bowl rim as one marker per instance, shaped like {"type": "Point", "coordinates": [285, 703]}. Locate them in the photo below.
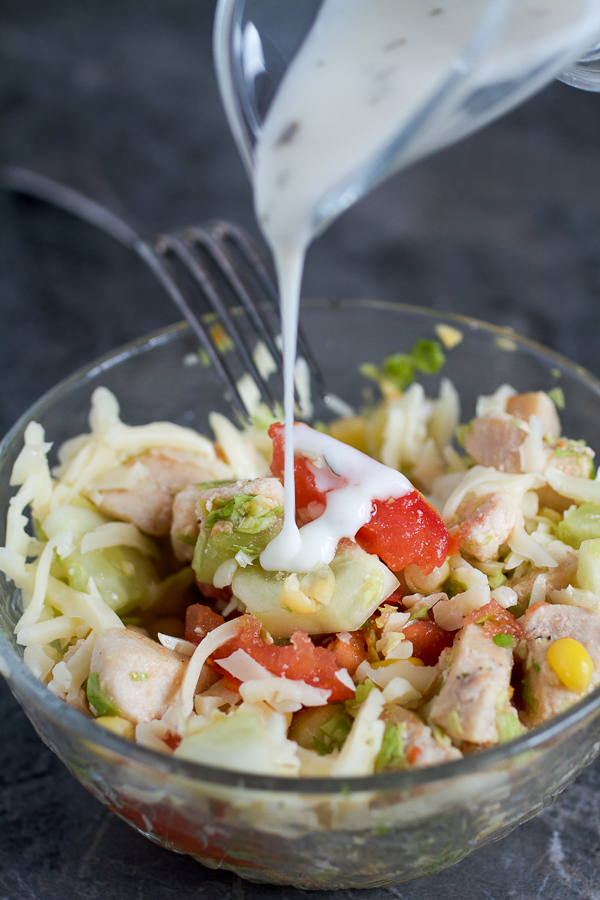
{"type": "Point", "coordinates": [68, 719]}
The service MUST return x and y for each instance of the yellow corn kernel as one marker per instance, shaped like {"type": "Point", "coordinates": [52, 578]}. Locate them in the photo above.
{"type": "Point", "coordinates": [572, 663]}
{"type": "Point", "coordinates": [117, 725]}
{"type": "Point", "coordinates": [416, 661]}
{"type": "Point", "coordinates": [382, 663]}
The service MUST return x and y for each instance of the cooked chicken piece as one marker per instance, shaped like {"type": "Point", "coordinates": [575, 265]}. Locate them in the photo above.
{"type": "Point", "coordinates": [474, 687]}
{"type": "Point", "coordinates": [148, 502]}
{"type": "Point", "coordinates": [495, 441]}
{"type": "Point", "coordinates": [185, 523]}
{"type": "Point", "coordinates": [486, 523]}
{"type": "Point", "coordinates": [269, 488]}
{"type": "Point", "coordinates": [136, 674]}
{"type": "Point", "coordinates": [421, 747]}
{"type": "Point", "coordinates": [543, 624]}
{"type": "Point", "coordinates": [539, 404]}
{"type": "Point", "coordinates": [556, 579]}
{"type": "Point", "coordinates": [572, 458]}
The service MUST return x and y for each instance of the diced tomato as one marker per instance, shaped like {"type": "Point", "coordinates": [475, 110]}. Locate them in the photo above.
{"type": "Point", "coordinates": [453, 543]}
{"type": "Point", "coordinates": [199, 620]}
{"type": "Point", "coordinates": [428, 640]}
{"type": "Point", "coordinates": [350, 653]}
{"type": "Point", "coordinates": [299, 660]}
{"type": "Point", "coordinates": [495, 620]}
{"type": "Point", "coordinates": [404, 531]}
{"type": "Point", "coordinates": [306, 489]}
{"type": "Point", "coordinates": [413, 755]}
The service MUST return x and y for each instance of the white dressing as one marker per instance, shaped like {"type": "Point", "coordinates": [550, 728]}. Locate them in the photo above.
{"type": "Point", "coordinates": [363, 70]}
{"type": "Point", "coordinates": [347, 508]}
{"type": "Point", "coordinates": [361, 75]}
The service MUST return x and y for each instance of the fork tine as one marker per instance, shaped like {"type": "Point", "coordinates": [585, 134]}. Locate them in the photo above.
{"type": "Point", "coordinates": [180, 248]}
{"type": "Point", "coordinates": [212, 240]}
{"type": "Point", "coordinates": [225, 244]}
{"type": "Point", "coordinates": [161, 270]}
{"type": "Point", "coordinates": [250, 251]}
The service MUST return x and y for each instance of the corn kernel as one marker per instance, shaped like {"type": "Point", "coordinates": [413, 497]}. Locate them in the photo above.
{"type": "Point", "coordinates": [416, 661]}
{"type": "Point", "coordinates": [117, 725]}
{"type": "Point", "coordinates": [572, 663]}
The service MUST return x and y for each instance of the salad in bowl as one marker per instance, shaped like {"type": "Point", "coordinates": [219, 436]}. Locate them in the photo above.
{"type": "Point", "coordinates": [433, 678]}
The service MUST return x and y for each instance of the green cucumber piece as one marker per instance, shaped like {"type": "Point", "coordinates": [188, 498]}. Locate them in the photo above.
{"type": "Point", "coordinates": [588, 567]}
{"type": "Point", "coordinates": [98, 699]}
{"type": "Point", "coordinates": [362, 583]}
{"type": "Point", "coordinates": [581, 525]}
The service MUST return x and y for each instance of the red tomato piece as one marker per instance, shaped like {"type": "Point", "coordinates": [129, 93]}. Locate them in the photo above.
{"type": "Point", "coordinates": [495, 620]}
{"type": "Point", "coordinates": [300, 660]}
{"type": "Point", "coordinates": [404, 531]}
{"type": "Point", "coordinates": [306, 490]}
{"type": "Point", "coordinates": [350, 653]}
{"type": "Point", "coordinates": [428, 640]}
{"type": "Point", "coordinates": [199, 620]}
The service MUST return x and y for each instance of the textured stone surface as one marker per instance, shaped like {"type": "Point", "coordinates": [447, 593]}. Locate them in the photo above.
{"type": "Point", "coordinates": [505, 226]}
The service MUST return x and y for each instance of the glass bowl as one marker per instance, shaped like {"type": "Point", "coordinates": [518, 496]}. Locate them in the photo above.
{"type": "Point", "coordinates": [311, 833]}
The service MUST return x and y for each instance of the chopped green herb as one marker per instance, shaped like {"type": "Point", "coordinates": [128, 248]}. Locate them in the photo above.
{"type": "Point", "coordinates": [428, 356]}
{"type": "Point", "coordinates": [557, 396]}
{"type": "Point", "coordinates": [504, 640]}
{"type": "Point", "coordinates": [139, 676]}
{"type": "Point", "coordinates": [420, 615]}
{"type": "Point", "coordinates": [98, 700]}
{"type": "Point", "coordinates": [187, 539]}
{"type": "Point", "coordinates": [392, 754]}
{"type": "Point", "coordinates": [535, 666]}
{"type": "Point", "coordinates": [362, 692]}
{"type": "Point", "coordinates": [399, 369]}
{"type": "Point", "coordinates": [496, 580]}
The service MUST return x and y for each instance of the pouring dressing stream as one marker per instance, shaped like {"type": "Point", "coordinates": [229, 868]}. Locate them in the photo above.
{"type": "Point", "coordinates": [362, 74]}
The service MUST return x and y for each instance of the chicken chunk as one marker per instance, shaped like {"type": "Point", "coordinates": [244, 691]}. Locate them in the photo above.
{"type": "Point", "coordinates": [269, 488]}
{"type": "Point", "coordinates": [148, 500]}
{"type": "Point", "coordinates": [421, 747]}
{"type": "Point", "coordinates": [536, 403]}
{"type": "Point", "coordinates": [476, 686]}
{"type": "Point", "coordinates": [556, 579]}
{"type": "Point", "coordinates": [543, 693]}
{"type": "Point", "coordinates": [140, 677]}
{"type": "Point", "coordinates": [495, 441]}
{"type": "Point", "coordinates": [486, 523]}
{"type": "Point", "coordinates": [185, 523]}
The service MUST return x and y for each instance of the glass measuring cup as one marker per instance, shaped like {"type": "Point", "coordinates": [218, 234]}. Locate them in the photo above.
{"type": "Point", "coordinates": [507, 50]}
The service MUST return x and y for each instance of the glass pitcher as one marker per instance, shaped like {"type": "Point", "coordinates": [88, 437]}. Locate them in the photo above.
{"type": "Point", "coordinates": [503, 51]}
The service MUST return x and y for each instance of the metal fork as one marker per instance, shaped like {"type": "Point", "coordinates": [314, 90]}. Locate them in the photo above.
{"type": "Point", "coordinates": [213, 267]}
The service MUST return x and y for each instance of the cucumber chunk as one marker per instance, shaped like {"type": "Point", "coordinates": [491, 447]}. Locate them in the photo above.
{"type": "Point", "coordinates": [243, 523]}
{"type": "Point", "coordinates": [581, 525]}
{"type": "Point", "coordinates": [588, 567]}
{"type": "Point", "coordinates": [362, 583]}
{"type": "Point", "coordinates": [122, 575]}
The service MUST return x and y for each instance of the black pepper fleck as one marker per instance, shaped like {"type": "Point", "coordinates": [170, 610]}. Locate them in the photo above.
{"type": "Point", "coordinates": [288, 134]}
{"type": "Point", "coordinates": [393, 45]}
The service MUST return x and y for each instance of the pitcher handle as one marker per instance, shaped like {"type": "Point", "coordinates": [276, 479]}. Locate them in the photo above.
{"type": "Point", "coordinates": [584, 73]}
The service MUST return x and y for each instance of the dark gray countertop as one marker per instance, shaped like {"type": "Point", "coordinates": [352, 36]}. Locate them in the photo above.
{"type": "Point", "coordinates": [505, 226]}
